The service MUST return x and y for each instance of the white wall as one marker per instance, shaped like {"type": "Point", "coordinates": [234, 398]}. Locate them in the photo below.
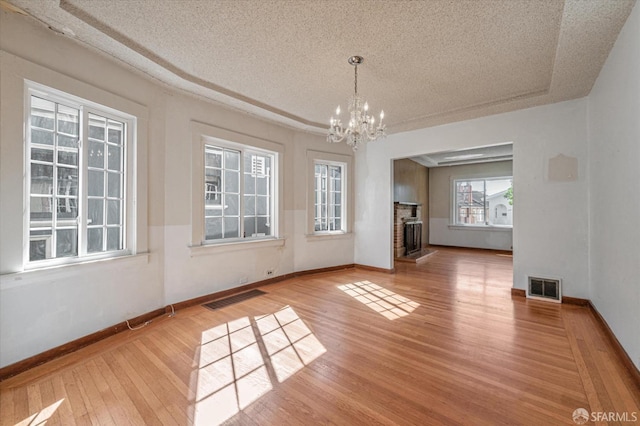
{"type": "Point", "coordinates": [43, 309]}
{"type": "Point", "coordinates": [550, 220]}
{"type": "Point", "coordinates": [614, 175]}
{"type": "Point", "coordinates": [40, 310]}
{"type": "Point", "coordinates": [191, 272]}
{"type": "Point", "coordinates": [440, 204]}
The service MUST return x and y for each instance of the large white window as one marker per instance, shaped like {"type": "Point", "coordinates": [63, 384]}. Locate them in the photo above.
{"type": "Point", "coordinates": [78, 169]}
{"type": "Point", "coordinates": [329, 196]}
{"type": "Point", "coordinates": [483, 202]}
{"type": "Point", "coordinates": [238, 193]}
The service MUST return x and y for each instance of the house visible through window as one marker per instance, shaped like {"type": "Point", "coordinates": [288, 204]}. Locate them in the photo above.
{"type": "Point", "coordinates": [484, 202]}
{"type": "Point", "coordinates": [238, 195]}
{"type": "Point", "coordinates": [329, 197]}
{"type": "Point", "coordinates": [76, 179]}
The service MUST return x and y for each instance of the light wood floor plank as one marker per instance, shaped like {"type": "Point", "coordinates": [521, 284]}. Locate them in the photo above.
{"type": "Point", "coordinates": [145, 382]}
{"type": "Point", "coordinates": [131, 389]}
{"type": "Point", "coordinates": [141, 394]}
{"type": "Point", "coordinates": [74, 398]}
{"type": "Point", "coordinates": [63, 414]}
{"type": "Point", "coordinates": [126, 411]}
{"type": "Point", "coordinates": [438, 343]}
{"type": "Point", "coordinates": [34, 400]}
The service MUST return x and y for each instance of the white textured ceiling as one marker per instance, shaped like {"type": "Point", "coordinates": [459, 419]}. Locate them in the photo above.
{"type": "Point", "coordinates": [426, 62]}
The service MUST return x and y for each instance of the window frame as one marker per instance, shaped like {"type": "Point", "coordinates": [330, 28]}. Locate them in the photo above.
{"type": "Point", "coordinates": [346, 161]}
{"type": "Point", "coordinates": [487, 214]}
{"type": "Point", "coordinates": [128, 187]}
{"type": "Point", "coordinates": [329, 190]}
{"type": "Point", "coordinates": [205, 134]}
{"type": "Point", "coordinates": [242, 150]}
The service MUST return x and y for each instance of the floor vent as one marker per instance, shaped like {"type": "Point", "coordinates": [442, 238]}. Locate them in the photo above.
{"type": "Point", "coordinates": [221, 303]}
{"type": "Point", "coordinates": [545, 289]}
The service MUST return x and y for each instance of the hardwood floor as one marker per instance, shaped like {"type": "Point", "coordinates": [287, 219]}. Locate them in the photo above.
{"type": "Point", "coordinates": [442, 342]}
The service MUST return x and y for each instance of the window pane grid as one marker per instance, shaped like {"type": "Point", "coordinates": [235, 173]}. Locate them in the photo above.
{"type": "Point", "coordinates": [221, 193]}
{"type": "Point", "coordinates": [335, 210]}
{"type": "Point", "coordinates": [257, 208]}
{"type": "Point", "coordinates": [106, 195]}
{"type": "Point", "coordinates": [53, 202]}
{"type": "Point", "coordinates": [328, 197]}
{"type": "Point", "coordinates": [58, 172]}
{"type": "Point", "coordinates": [237, 193]}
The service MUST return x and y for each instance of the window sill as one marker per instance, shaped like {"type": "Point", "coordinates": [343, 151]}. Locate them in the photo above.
{"type": "Point", "coordinates": [324, 236]}
{"type": "Point", "coordinates": [481, 228]}
{"type": "Point", "coordinates": [16, 279]}
{"type": "Point", "coordinates": [211, 248]}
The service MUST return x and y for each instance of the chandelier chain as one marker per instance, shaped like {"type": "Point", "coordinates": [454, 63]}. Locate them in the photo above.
{"type": "Point", "coordinates": [356, 80]}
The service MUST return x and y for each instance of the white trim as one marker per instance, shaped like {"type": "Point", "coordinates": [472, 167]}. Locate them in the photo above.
{"type": "Point", "coordinates": [129, 185]}
{"type": "Point", "coordinates": [17, 279]}
{"type": "Point", "coordinates": [234, 245]}
{"type": "Point", "coordinates": [21, 74]}
{"type": "Point", "coordinates": [207, 135]}
{"type": "Point", "coordinates": [453, 205]}
{"type": "Point", "coordinates": [26, 193]}
{"type": "Point", "coordinates": [328, 192]}
{"type": "Point", "coordinates": [324, 236]}
{"type": "Point", "coordinates": [503, 228]}
{"type": "Point", "coordinates": [329, 158]}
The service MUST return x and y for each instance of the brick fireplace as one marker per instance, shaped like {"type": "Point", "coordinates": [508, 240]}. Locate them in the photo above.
{"type": "Point", "coordinates": [406, 214]}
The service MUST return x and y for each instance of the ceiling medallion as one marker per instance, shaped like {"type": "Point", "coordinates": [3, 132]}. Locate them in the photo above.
{"type": "Point", "coordinates": [361, 127]}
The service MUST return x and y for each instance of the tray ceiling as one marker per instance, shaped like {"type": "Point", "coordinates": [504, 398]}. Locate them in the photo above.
{"type": "Point", "coordinates": [426, 62]}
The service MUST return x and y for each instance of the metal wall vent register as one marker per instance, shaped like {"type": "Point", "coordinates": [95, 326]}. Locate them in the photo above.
{"type": "Point", "coordinates": [221, 303]}
{"type": "Point", "coordinates": [545, 289]}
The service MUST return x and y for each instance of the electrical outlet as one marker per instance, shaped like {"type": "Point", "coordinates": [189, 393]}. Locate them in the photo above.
{"type": "Point", "coordinates": [269, 272]}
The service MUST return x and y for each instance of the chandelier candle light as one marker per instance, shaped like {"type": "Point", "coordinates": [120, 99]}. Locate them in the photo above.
{"type": "Point", "coordinates": [361, 127]}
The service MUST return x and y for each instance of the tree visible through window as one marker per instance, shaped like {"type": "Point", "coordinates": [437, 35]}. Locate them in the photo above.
{"type": "Point", "coordinates": [484, 201]}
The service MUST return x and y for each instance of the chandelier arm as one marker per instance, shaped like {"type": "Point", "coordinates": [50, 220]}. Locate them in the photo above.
{"type": "Point", "coordinates": [336, 137]}
{"type": "Point", "coordinates": [336, 133]}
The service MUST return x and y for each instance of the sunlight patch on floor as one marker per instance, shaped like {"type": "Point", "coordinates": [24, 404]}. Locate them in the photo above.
{"type": "Point", "coordinates": [42, 416]}
{"type": "Point", "coordinates": [288, 341]}
{"type": "Point", "coordinates": [385, 302]}
{"type": "Point", "coordinates": [240, 360]}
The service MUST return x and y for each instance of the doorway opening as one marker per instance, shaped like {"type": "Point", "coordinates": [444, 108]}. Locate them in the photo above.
{"type": "Point", "coordinates": [460, 198]}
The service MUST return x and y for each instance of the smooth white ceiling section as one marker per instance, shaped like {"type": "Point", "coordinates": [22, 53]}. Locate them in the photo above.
{"type": "Point", "coordinates": [486, 154]}
{"type": "Point", "coordinates": [426, 62]}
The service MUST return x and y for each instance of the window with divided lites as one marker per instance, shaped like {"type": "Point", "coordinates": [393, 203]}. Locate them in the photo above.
{"type": "Point", "coordinates": [77, 174]}
{"type": "Point", "coordinates": [239, 193]}
{"type": "Point", "coordinates": [329, 197]}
